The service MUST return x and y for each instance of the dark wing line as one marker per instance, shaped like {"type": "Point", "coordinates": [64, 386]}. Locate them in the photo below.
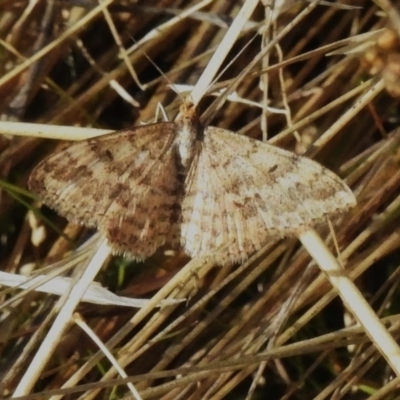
{"type": "Point", "coordinates": [136, 224]}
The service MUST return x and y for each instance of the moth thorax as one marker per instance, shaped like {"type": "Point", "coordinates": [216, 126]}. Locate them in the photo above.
{"type": "Point", "coordinates": [186, 142]}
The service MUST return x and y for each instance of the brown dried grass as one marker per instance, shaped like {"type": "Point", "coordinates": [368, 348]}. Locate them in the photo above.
{"type": "Point", "coordinates": [231, 333]}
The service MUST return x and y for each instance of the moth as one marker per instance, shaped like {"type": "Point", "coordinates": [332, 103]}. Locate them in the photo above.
{"type": "Point", "coordinates": [213, 192]}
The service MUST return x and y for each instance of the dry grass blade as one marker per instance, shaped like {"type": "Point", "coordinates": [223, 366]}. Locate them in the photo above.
{"type": "Point", "coordinates": [67, 65]}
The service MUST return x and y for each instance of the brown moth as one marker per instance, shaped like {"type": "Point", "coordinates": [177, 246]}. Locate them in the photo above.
{"type": "Point", "coordinates": [216, 193]}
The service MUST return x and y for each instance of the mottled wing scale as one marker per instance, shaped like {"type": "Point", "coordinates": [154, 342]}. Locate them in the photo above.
{"type": "Point", "coordinates": [118, 183]}
{"type": "Point", "coordinates": [240, 192]}
{"type": "Point", "coordinates": [138, 221]}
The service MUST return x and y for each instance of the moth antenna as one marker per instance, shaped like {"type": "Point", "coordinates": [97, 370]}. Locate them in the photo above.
{"type": "Point", "coordinates": [170, 84]}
